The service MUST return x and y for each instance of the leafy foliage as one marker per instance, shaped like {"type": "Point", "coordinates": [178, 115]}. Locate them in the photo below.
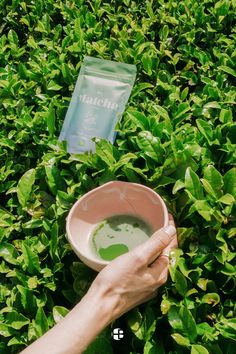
{"type": "Point", "coordinates": [177, 136]}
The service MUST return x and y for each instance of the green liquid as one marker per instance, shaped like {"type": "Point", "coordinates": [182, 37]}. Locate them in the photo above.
{"type": "Point", "coordinates": [113, 251]}
{"type": "Point", "coordinates": [117, 235]}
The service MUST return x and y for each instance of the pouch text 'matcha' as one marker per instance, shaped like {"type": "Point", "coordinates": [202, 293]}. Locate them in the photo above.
{"type": "Point", "coordinates": [98, 101]}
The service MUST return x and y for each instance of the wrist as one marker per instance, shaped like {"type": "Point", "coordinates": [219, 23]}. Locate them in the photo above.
{"type": "Point", "coordinates": [104, 302]}
{"type": "Point", "coordinates": [80, 326]}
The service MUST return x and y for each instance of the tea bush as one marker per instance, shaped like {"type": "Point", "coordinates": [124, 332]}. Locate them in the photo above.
{"type": "Point", "coordinates": [177, 136]}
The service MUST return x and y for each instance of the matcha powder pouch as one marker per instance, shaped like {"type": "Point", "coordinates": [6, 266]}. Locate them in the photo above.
{"type": "Point", "coordinates": [98, 101]}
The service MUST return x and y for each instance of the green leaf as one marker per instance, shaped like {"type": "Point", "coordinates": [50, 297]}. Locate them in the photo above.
{"type": "Point", "coordinates": [230, 182]}
{"type": "Point", "coordinates": [31, 42]}
{"type": "Point", "coordinates": [147, 63]}
{"type": "Point", "coordinates": [5, 330]}
{"type": "Point", "coordinates": [140, 87]}
{"type": "Point", "coordinates": [207, 331]}
{"type": "Point", "coordinates": [174, 318]}
{"type": "Point", "coordinates": [66, 72]}
{"type": "Point", "coordinates": [33, 224]}
{"type": "Point", "coordinates": [53, 86]}
{"type": "Point", "coordinates": [222, 7]}
{"type": "Point", "coordinates": [189, 324]}
{"type": "Point", "coordinates": [13, 38]}
{"type": "Point", "coordinates": [134, 172]}
{"type": "Point", "coordinates": [54, 179]}
{"type": "Point", "coordinates": [32, 282]}
{"type": "Point", "coordinates": [51, 121]}
{"type": "Point", "coordinates": [208, 188]}
{"type": "Point", "coordinates": [150, 145]}
{"type": "Point", "coordinates": [211, 299]}
{"type": "Point", "coordinates": [180, 283]}
{"type": "Point", "coordinates": [151, 347]}
{"type": "Point", "coordinates": [185, 235]}
{"type": "Point", "coordinates": [9, 253]}
{"type": "Point", "coordinates": [24, 187]}
{"type": "Point", "coordinates": [102, 344]}
{"type": "Point", "coordinates": [228, 269]}
{"type": "Point", "coordinates": [164, 32]}
{"type": "Point", "coordinates": [53, 245]}
{"type": "Point", "coordinates": [134, 319]}
{"type": "Point", "coordinates": [182, 341]}
{"type": "Point", "coordinates": [198, 349]}
{"type": "Point", "coordinates": [178, 186]}
{"type": "Point", "coordinates": [227, 199]}
{"type": "Point", "coordinates": [213, 104]}
{"type": "Point", "coordinates": [227, 70]}
{"type": "Point", "coordinates": [27, 299]}
{"type": "Point", "coordinates": [59, 312]}
{"type": "Point", "coordinates": [227, 328]}
{"type": "Point", "coordinates": [193, 184]}
{"type": "Point", "coordinates": [148, 325]}
{"type": "Point", "coordinates": [182, 109]}
{"type": "Point", "coordinates": [41, 322]}
{"type": "Point", "coordinates": [64, 199]}
{"type": "Point", "coordinates": [215, 180]}
{"type": "Point", "coordinates": [16, 320]}
{"type": "Point", "coordinates": [205, 129]}
{"type": "Point", "coordinates": [7, 143]}
{"type": "Point", "coordinates": [202, 283]}
{"type": "Point", "coordinates": [226, 116]}
{"type": "Point", "coordinates": [17, 340]}
{"type": "Point", "coordinates": [174, 261]}
{"type": "Point", "coordinates": [203, 208]}
{"type": "Point", "coordinates": [165, 306]}
{"type": "Point", "coordinates": [31, 259]}
{"type": "Point", "coordinates": [138, 118]}
{"type": "Point", "coordinates": [124, 160]}
{"type": "Point", "coordinates": [106, 151]}
{"type": "Point", "coordinates": [184, 93]}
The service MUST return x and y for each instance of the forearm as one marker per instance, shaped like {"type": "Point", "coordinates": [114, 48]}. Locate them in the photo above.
{"type": "Point", "coordinates": [78, 329]}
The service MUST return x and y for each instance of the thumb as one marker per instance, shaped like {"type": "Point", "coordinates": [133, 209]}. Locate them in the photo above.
{"type": "Point", "coordinates": [150, 249]}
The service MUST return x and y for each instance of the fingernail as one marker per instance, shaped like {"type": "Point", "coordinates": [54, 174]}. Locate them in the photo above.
{"type": "Point", "coordinates": [170, 230]}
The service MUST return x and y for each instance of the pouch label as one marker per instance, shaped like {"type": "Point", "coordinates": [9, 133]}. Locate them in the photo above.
{"type": "Point", "coordinates": [99, 102]}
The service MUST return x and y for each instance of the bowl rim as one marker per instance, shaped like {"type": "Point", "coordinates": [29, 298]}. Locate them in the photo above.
{"type": "Point", "coordinates": [95, 190]}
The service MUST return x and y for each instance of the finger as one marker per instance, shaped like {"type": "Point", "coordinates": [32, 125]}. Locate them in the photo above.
{"type": "Point", "coordinates": [155, 266]}
{"type": "Point", "coordinates": [149, 250]}
{"type": "Point", "coordinates": [159, 270]}
{"type": "Point", "coordinates": [171, 219]}
{"type": "Point", "coordinates": [165, 254]}
{"type": "Point", "coordinates": [167, 250]}
{"type": "Point", "coordinates": [173, 244]}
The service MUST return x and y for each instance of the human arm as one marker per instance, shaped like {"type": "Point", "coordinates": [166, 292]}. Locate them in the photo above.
{"type": "Point", "coordinates": [123, 284]}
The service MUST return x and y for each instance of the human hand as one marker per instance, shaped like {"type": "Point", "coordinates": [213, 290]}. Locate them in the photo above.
{"type": "Point", "coordinates": [134, 277]}
{"type": "Point", "coordinates": [124, 283]}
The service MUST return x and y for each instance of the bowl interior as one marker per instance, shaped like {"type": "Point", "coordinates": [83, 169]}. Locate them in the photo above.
{"type": "Point", "coordinates": [112, 198]}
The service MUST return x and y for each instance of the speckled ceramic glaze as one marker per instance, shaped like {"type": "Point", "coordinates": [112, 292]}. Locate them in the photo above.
{"type": "Point", "coordinates": [112, 198]}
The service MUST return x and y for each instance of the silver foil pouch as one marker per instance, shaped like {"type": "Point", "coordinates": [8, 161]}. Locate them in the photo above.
{"type": "Point", "coordinates": [98, 101]}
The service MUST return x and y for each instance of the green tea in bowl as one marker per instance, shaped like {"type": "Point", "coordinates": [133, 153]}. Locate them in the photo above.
{"type": "Point", "coordinates": [113, 219]}
{"type": "Point", "coordinates": [117, 235]}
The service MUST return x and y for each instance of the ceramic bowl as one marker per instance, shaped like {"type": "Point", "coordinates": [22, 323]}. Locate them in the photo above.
{"type": "Point", "coordinates": [112, 198]}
